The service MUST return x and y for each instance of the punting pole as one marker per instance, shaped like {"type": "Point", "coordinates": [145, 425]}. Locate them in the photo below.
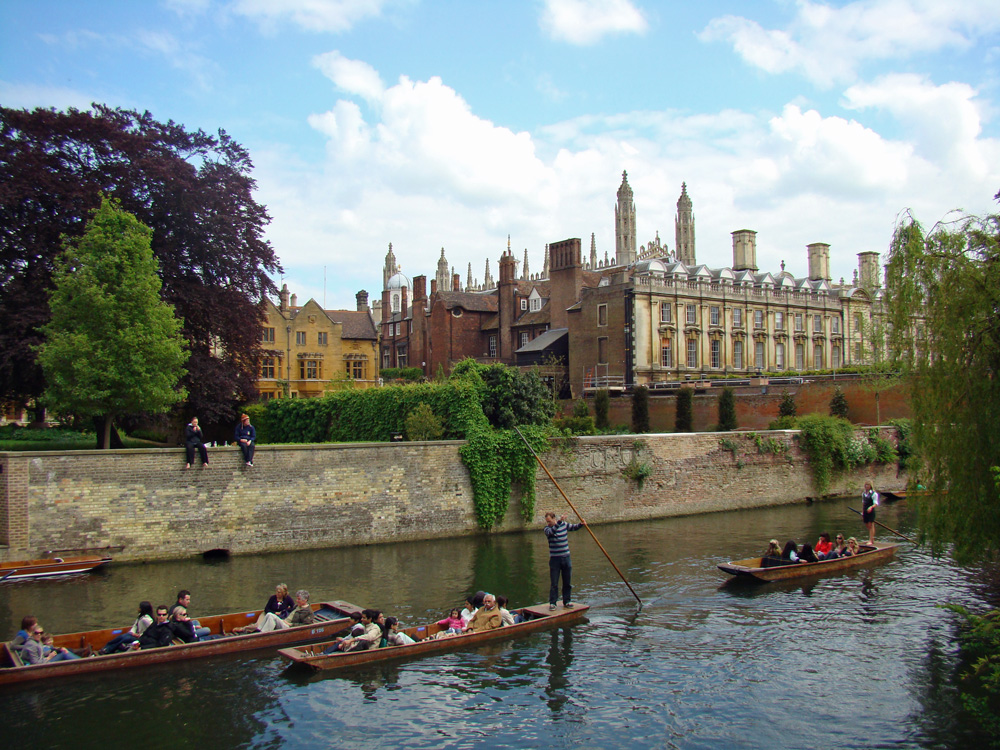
{"type": "Point", "coordinates": [582, 520]}
{"type": "Point", "coordinates": [913, 541]}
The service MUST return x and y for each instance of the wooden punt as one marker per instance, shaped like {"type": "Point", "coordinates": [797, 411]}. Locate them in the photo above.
{"type": "Point", "coordinates": [54, 566]}
{"type": "Point", "coordinates": [751, 568]}
{"type": "Point", "coordinates": [331, 618]}
{"type": "Point", "coordinates": [539, 617]}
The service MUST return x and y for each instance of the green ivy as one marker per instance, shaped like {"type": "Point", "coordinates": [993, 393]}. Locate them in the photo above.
{"type": "Point", "coordinates": [833, 445]}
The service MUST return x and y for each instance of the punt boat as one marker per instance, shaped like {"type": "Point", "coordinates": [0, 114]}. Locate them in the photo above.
{"type": "Point", "coordinates": [330, 619]}
{"type": "Point", "coordinates": [53, 566]}
{"type": "Point", "coordinates": [752, 569]}
{"type": "Point", "coordinates": [538, 617]}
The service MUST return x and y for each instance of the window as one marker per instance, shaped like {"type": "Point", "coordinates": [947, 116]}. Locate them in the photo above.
{"type": "Point", "coordinates": [692, 314]}
{"type": "Point", "coordinates": [818, 356]}
{"type": "Point", "coordinates": [602, 315]}
{"type": "Point", "coordinates": [665, 315]}
{"type": "Point", "coordinates": [798, 322]}
{"type": "Point", "coordinates": [401, 356]}
{"type": "Point", "coordinates": [692, 358]}
{"type": "Point", "coordinates": [779, 321]}
{"type": "Point", "coordinates": [399, 328]}
{"type": "Point", "coordinates": [738, 355]}
{"type": "Point", "coordinates": [800, 357]}
{"type": "Point", "coordinates": [267, 335]}
{"type": "Point", "coordinates": [857, 351]}
{"type": "Point", "coordinates": [300, 338]}
{"type": "Point", "coordinates": [716, 363]}
{"type": "Point", "coordinates": [666, 353]}
{"type": "Point", "coordinates": [714, 315]}
{"type": "Point", "coordinates": [857, 322]}
{"type": "Point", "coordinates": [355, 369]}
{"type": "Point", "coordinates": [267, 367]}
{"type": "Point", "coordinates": [758, 355]}
{"type": "Point", "coordinates": [386, 357]}
{"type": "Point", "coordinates": [395, 302]}
{"type": "Point", "coordinates": [835, 324]}
{"type": "Point", "coordinates": [817, 323]}
{"type": "Point", "coordinates": [602, 350]}
{"type": "Point", "coordinates": [309, 369]}
{"type": "Point", "coordinates": [524, 303]}
{"type": "Point", "coordinates": [535, 304]}
{"type": "Point", "coordinates": [836, 356]}
{"type": "Point", "coordinates": [737, 317]}
{"type": "Point", "coordinates": [321, 338]}
{"type": "Point", "coordinates": [493, 346]}
{"type": "Point", "coordinates": [524, 339]}
{"type": "Point", "coordinates": [779, 356]}
{"type": "Point", "coordinates": [758, 318]}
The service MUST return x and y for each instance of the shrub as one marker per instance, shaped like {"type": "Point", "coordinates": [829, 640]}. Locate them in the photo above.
{"type": "Point", "coordinates": [411, 374]}
{"type": "Point", "coordinates": [685, 401]}
{"type": "Point", "coordinates": [727, 410]}
{"type": "Point", "coordinates": [602, 402]}
{"type": "Point", "coordinates": [838, 404]}
{"type": "Point", "coordinates": [640, 409]}
{"type": "Point", "coordinates": [423, 424]}
{"type": "Point", "coordinates": [783, 423]}
{"type": "Point", "coordinates": [580, 408]}
{"type": "Point", "coordinates": [787, 407]}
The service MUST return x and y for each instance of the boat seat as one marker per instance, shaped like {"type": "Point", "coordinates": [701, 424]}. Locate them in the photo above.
{"type": "Point", "coordinates": [15, 655]}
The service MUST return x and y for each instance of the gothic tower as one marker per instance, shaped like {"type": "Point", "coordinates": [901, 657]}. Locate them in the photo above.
{"type": "Point", "coordinates": [684, 229]}
{"type": "Point", "coordinates": [390, 269]}
{"type": "Point", "coordinates": [442, 277]}
{"type": "Point", "coordinates": [625, 224]}
{"type": "Point", "coordinates": [593, 252]}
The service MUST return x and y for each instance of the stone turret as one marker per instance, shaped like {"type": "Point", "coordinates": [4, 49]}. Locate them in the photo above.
{"type": "Point", "coordinates": [625, 224]}
{"type": "Point", "coordinates": [684, 229]}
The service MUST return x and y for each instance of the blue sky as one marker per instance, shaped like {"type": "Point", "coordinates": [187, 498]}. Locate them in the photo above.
{"type": "Point", "coordinates": [455, 124]}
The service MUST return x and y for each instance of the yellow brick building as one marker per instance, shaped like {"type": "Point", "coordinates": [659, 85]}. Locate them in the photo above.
{"type": "Point", "coordinates": [309, 351]}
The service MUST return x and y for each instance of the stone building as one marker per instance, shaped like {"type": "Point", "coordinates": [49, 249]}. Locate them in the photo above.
{"type": "Point", "coordinates": [309, 351]}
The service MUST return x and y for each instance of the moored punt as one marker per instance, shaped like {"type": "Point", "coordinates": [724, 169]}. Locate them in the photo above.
{"type": "Point", "coordinates": [539, 617]}
{"type": "Point", "coordinates": [55, 566]}
{"type": "Point", "coordinates": [331, 618]}
{"type": "Point", "coordinates": [751, 568]}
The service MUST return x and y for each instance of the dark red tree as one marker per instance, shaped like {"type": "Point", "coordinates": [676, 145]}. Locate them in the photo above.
{"type": "Point", "coordinates": [196, 193]}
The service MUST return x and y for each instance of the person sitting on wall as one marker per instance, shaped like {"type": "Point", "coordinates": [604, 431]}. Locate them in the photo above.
{"type": "Point", "coordinates": [159, 633]}
{"type": "Point", "coordinates": [246, 438]}
{"type": "Point", "coordinates": [486, 618]}
{"type": "Point", "coordinates": [823, 546]}
{"type": "Point", "coordinates": [194, 440]}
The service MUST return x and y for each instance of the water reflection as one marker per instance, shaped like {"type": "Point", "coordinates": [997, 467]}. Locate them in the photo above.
{"type": "Point", "coordinates": [559, 658]}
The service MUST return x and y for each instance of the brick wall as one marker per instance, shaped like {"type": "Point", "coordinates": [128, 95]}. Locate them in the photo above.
{"type": "Point", "coordinates": [145, 506]}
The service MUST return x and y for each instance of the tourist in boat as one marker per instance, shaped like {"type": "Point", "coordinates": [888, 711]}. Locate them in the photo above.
{"type": "Point", "coordinates": [839, 547]}
{"type": "Point", "coordinates": [159, 633]}
{"type": "Point", "coordinates": [194, 440]}
{"type": "Point", "coordinates": [182, 626]}
{"type": "Point", "coordinates": [806, 554]}
{"type": "Point", "coordinates": [33, 651]}
{"type": "Point", "coordinates": [869, 502]}
{"type": "Point", "coordinates": [823, 546]}
{"type": "Point", "coordinates": [393, 636]}
{"type": "Point", "coordinates": [852, 548]}
{"type": "Point", "coordinates": [28, 623]}
{"type": "Point", "coordinates": [790, 554]}
{"type": "Point", "coordinates": [453, 624]}
{"type": "Point", "coordinates": [772, 555]}
{"type": "Point", "coordinates": [184, 600]}
{"type": "Point", "coordinates": [301, 615]}
{"type": "Point", "coordinates": [357, 629]}
{"type": "Point", "coordinates": [124, 641]}
{"type": "Point", "coordinates": [370, 638]}
{"type": "Point", "coordinates": [557, 532]}
{"type": "Point", "coordinates": [506, 618]}
{"type": "Point", "coordinates": [280, 602]}
{"type": "Point", "coordinates": [486, 618]}
{"type": "Point", "coordinates": [246, 438]}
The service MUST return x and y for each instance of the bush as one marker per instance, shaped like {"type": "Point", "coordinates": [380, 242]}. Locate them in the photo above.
{"type": "Point", "coordinates": [423, 424]}
{"type": "Point", "coordinates": [833, 445]}
{"type": "Point", "coordinates": [784, 423]}
{"type": "Point", "coordinates": [575, 425]}
{"type": "Point", "coordinates": [602, 402]}
{"type": "Point", "coordinates": [838, 404]}
{"type": "Point", "coordinates": [640, 409]}
{"type": "Point", "coordinates": [580, 408]}
{"type": "Point", "coordinates": [787, 407]}
{"type": "Point", "coordinates": [685, 401]}
{"type": "Point", "coordinates": [727, 410]}
{"type": "Point", "coordinates": [411, 374]}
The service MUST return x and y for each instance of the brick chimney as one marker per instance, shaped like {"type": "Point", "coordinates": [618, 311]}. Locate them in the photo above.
{"type": "Point", "coordinates": [362, 298]}
{"type": "Point", "coordinates": [420, 288]}
{"type": "Point", "coordinates": [565, 279]}
{"type": "Point", "coordinates": [456, 282]}
{"type": "Point", "coordinates": [505, 303]}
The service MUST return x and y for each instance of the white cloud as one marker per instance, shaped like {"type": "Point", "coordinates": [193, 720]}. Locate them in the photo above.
{"type": "Point", "coordinates": [828, 44]}
{"type": "Point", "coordinates": [351, 76]}
{"type": "Point", "coordinates": [585, 22]}
{"type": "Point", "coordinates": [312, 15]}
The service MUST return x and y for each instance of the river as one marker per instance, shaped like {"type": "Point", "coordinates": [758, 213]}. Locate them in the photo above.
{"type": "Point", "coordinates": [862, 659]}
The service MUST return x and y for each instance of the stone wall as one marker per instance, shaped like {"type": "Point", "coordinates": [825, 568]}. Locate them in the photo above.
{"type": "Point", "coordinates": [143, 505]}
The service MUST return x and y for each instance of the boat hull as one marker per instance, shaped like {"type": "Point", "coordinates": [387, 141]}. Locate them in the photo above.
{"type": "Point", "coordinates": [335, 618]}
{"type": "Point", "coordinates": [57, 566]}
{"type": "Point", "coordinates": [541, 618]}
{"type": "Point", "coordinates": [750, 569]}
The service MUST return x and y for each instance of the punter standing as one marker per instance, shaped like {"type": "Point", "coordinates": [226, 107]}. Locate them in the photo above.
{"type": "Point", "coordinates": [869, 502]}
{"type": "Point", "coordinates": [557, 532]}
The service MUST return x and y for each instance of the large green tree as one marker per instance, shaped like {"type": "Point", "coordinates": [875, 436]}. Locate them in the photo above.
{"type": "Point", "coordinates": [112, 346]}
{"type": "Point", "coordinates": [943, 307]}
{"type": "Point", "coordinates": [193, 189]}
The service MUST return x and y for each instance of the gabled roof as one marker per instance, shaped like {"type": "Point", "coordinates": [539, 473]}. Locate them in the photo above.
{"type": "Point", "coordinates": [471, 301]}
{"type": "Point", "coordinates": [354, 324]}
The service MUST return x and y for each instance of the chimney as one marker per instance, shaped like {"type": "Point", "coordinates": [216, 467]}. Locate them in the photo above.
{"type": "Point", "coordinates": [362, 298]}
{"type": "Point", "coordinates": [434, 287]}
{"type": "Point", "coordinates": [420, 288]}
{"type": "Point", "coordinates": [295, 300]}
{"type": "Point", "coordinates": [744, 250]}
{"type": "Point", "coordinates": [868, 271]}
{"type": "Point", "coordinates": [819, 261]}
{"type": "Point", "coordinates": [505, 305]}
{"type": "Point", "coordinates": [456, 283]}
{"type": "Point", "coordinates": [565, 279]}
{"type": "Point", "coordinates": [283, 298]}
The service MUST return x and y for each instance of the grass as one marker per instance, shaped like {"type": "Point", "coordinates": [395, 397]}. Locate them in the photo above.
{"type": "Point", "coordinates": [14, 438]}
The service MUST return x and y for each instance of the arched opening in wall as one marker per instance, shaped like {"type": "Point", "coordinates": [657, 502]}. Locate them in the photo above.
{"type": "Point", "coordinates": [215, 554]}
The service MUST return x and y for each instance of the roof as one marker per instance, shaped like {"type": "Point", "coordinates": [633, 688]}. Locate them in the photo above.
{"type": "Point", "coordinates": [544, 341]}
{"type": "Point", "coordinates": [354, 324]}
{"type": "Point", "coordinates": [471, 301]}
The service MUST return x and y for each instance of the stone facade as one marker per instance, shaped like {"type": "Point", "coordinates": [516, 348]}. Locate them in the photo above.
{"type": "Point", "coordinates": [143, 506]}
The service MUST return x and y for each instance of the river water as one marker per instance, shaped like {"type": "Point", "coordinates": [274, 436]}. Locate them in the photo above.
{"type": "Point", "coordinates": [862, 659]}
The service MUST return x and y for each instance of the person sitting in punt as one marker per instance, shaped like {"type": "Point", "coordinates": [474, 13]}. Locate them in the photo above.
{"type": "Point", "coordinates": [807, 555]}
{"type": "Point", "coordinates": [370, 638]}
{"type": "Point", "coordinates": [280, 602]}
{"type": "Point", "coordinates": [486, 618]}
{"type": "Point", "coordinates": [772, 555]}
{"type": "Point", "coordinates": [357, 629]}
{"type": "Point", "coordinates": [472, 605]}
{"type": "Point", "coordinates": [159, 633]}
{"type": "Point", "coordinates": [852, 548]}
{"type": "Point", "coordinates": [839, 547]}
{"type": "Point", "coordinates": [506, 618]}
{"type": "Point", "coordinates": [823, 546]}
{"type": "Point", "coordinates": [182, 626]}
{"type": "Point", "coordinates": [301, 615]}
{"type": "Point", "coordinates": [28, 623]}
{"type": "Point", "coordinates": [393, 636]}
{"type": "Point", "coordinates": [790, 554]}
{"type": "Point", "coordinates": [33, 652]}
{"type": "Point", "coordinates": [453, 624]}
{"type": "Point", "coordinates": [124, 641]}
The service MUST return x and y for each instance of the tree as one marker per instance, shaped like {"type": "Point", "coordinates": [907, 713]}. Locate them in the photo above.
{"type": "Point", "coordinates": [509, 396]}
{"type": "Point", "coordinates": [423, 424]}
{"type": "Point", "coordinates": [192, 189]}
{"type": "Point", "coordinates": [640, 409]}
{"type": "Point", "coordinates": [943, 312]}
{"type": "Point", "coordinates": [787, 406]}
{"type": "Point", "coordinates": [880, 372]}
{"type": "Point", "coordinates": [727, 410]}
{"type": "Point", "coordinates": [112, 346]}
{"type": "Point", "coordinates": [602, 402]}
{"type": "Point", "coordinates": [838, 404]}
{"type": "Point", "coordinates": [684, 419]}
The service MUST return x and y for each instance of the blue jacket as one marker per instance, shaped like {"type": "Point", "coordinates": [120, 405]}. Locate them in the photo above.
{"type": "Point", "coordinates": [246, 433]}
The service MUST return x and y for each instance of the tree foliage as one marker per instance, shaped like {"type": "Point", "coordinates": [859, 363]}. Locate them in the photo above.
{"type": "Point", "coordinates": [640, 409]}
{"type": "Point", "coordinates": [943, 308]}
{"type": "Point", "coordinates": [423, 424]}
{"type": "Point", "coordinates": [112, 346]}
{"type": "Point", "coordinates": [838, 404]}
{"type": "Point", "coordinates": [509, 396]}
{"type": "Point", "coordinates": [684, 419]}
{"type": "Point", "coordinates": [787, 406]}
{"type": "Point", "coordinates": [727, 410]}
{"type": "Point", "coordinates": [602, 403]}
{"type": "Point", "coordinates": [194, 190]}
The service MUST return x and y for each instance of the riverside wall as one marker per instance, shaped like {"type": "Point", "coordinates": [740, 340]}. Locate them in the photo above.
{"type": "Point", "coordinates": [143, 505]}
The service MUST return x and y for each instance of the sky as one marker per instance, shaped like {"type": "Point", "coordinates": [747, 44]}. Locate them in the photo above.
{"type": "Point", "coordinates": [455, 124]}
